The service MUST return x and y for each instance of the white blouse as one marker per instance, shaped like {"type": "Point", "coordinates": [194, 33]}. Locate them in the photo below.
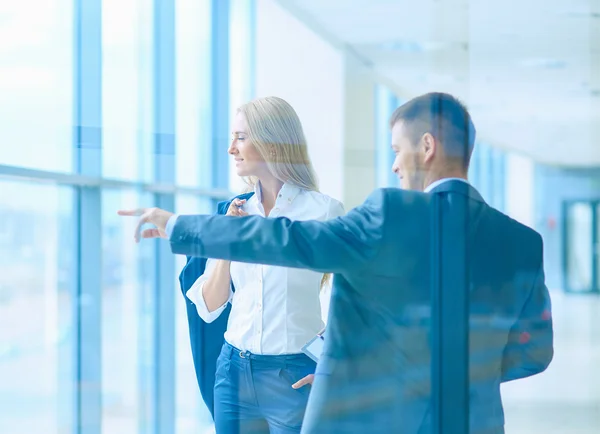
{"type": "Point", "coordinates": [274, 310]}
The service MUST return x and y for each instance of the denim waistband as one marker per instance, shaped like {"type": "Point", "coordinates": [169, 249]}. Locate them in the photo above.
{"type": "Point", "coordinates": [235, 353]}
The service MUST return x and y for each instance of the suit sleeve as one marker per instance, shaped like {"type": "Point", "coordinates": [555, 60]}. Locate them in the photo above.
{"type": "Point", "coordinates": [336, 245]}
{"type": "Point", "coordinates": [530, 349]}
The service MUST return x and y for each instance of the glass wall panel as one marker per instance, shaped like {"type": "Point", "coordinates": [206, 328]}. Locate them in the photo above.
{"type": "Point", "coordinates": [36, 88]}
{"type": "Point", "coordinates": [36, 321]}
{"type": "Point", "coordinates": [192, 416]}
{"type": "Point", "coordinates": [127, 89]}
{"type": "Point", "coordinates": [127, 316]}
{"type": "Point", "coordinates": [242, 58]}
{"type": "Point", "coordinates": [579, 246]}
{"type": "Point", "coordinates": [193, 69]}
{"type": "Point", "coordinates": [384, 107]}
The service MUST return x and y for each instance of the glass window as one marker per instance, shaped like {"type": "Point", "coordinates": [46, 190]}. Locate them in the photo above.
{"type": "Point", "coordinates": [475, 167]}
{"type": "Point", "coordinates": [385, 104]}
{"type": "Point", "coordinates": [127, 317]}
{"type": "Point", "coordinates": [193, 72]}
{"type": "Point", "coordinates": [127, 89]}
{"type": "Point", "coordinates": [241, 68]}
{"type": "Point", "coordinates": [192, 416]}
{"type": "Point", "coordinates": [579, 246]}
{"type": "Point", "coordinates": [36, 322]}
{"type": "Point", "coordinates": [36, 55]}
{"type": "Point", "coordinates": [241, 53]}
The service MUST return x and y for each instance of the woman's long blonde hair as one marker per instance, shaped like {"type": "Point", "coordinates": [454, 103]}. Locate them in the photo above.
{"type": "Point", "coordinates": [276, 132]}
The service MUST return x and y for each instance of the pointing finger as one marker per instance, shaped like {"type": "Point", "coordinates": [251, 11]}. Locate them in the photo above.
{"type": "Point", "coordinates": [132, 212]}
{"type": "Point", "coordinates": [143, 219]}
{"type": "Point", "coordinates": [151, 233]}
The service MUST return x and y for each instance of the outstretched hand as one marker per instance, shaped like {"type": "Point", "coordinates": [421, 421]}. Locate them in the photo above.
{"type": "Point", "coordinates": [155, 216]}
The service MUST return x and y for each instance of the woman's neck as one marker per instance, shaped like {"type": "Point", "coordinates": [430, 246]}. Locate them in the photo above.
{"type": "Point", "coordinates": [270, 187]}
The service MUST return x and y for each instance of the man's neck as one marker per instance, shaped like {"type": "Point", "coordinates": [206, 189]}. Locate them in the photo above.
{"type": "Point", "coordinates": [435, 177]}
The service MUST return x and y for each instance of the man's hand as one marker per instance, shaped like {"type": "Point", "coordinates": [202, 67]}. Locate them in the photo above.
{"type": "Point", "coordinates": [306, 380]}
{"type": "Point", "coordinates": [155, 216]}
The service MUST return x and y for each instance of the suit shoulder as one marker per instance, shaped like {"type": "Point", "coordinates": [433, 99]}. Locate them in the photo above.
{"type": "Point", "coordinates": [523, 231]}
{"type": "Point", "coordinates": [524, 243]}
{"type": "Point", "coordinates": [399, 196]}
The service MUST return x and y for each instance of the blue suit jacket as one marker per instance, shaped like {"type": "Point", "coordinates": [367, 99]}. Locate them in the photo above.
{"type": "Point", "coordinates": [375, 372]}
{"type": "Point", "coordinates": [206, 339]}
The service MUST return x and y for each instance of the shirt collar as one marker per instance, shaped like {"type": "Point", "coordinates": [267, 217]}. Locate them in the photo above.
{"type": "Point", "coordinates": [286, 195]}
{"type": "Point", "coordinates": [441, 181]}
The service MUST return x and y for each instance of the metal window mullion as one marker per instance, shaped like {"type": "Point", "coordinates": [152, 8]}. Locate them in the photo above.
{"type": "Point", "coordinates": [252, 48]}
{"type": "Point", "coordinates": [392, 179]}
{"type": "Point", "coordinates": [220, 109]}
{"type": "Point", "coordinates": [380, 135]}
{"type": "Point", "coordinates": [384, 107]}
{"type": "Point", "coordinates": [87, 156]}
{"type": "Point", "coordinates": [163, 382]}
{"type": "Point", "coordinates": [595, 248]}
{"type": "Point", "coordinates": [502, 181]}
{"type": "Point", "coordinates": [564, 228]}
{"type": "Point", "coordinates": [450, 319]}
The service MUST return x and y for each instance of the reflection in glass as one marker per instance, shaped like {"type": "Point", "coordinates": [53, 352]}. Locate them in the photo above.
{"type": "Point", "coordinates": [36, 323]}
{"type": "Point", "coordinates": [127, 315]}
{"type": "Point", "coordinates": [36, 84]}
{"type": "Point", "coordinates": [192, 416]}
{"type": "Point", "coordinates": [579, 247]}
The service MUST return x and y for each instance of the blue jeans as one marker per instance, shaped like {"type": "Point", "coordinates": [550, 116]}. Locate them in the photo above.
{"type": "Point", "coordinates": [253, 393]}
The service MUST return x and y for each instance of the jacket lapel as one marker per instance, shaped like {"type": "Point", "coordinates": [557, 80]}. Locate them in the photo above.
{"type": "Point", "coordinates": [222, 207]}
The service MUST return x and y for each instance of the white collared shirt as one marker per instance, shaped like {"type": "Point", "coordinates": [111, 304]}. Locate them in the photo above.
{"type": "Point", "coordinates": [441, 181]}
{"type": "Point", "coordinates": [274, 310]}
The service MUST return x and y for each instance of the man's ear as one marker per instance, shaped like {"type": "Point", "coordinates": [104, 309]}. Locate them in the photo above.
{"type": "Point", "coordinates": [429, 145]}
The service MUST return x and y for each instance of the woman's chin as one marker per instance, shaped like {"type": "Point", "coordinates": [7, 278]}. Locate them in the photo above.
{"type": "Point", "coordinates": [241, 172]}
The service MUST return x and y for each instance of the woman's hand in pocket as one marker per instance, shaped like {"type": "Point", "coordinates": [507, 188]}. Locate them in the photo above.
{"type": "Point", "coordinates": [303, 382]}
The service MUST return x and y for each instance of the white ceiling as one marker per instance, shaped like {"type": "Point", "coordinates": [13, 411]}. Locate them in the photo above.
{"type": "Point", "coordinates": [528, 69]}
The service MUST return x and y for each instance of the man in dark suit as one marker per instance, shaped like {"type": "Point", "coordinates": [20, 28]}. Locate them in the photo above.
{"type": "Point", "coordinates": [375, 372]}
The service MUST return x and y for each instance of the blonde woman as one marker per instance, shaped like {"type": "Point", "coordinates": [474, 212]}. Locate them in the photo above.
{"type": "Point", "coordinates": [274, 310]}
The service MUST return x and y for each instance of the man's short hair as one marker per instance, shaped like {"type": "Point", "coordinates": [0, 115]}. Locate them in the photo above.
{"type": "Point", "coordinates": [444, 117]}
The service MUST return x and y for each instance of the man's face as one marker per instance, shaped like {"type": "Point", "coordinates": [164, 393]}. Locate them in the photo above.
{"type": "Point", "coordinates": [408, 165]}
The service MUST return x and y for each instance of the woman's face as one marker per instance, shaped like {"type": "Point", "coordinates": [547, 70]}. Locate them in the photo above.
{"type": "Point", "coordinates": [248, 161]}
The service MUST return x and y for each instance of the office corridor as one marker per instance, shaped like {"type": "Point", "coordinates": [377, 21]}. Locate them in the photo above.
{"type": "Point", "coordinates": [566, 398]}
